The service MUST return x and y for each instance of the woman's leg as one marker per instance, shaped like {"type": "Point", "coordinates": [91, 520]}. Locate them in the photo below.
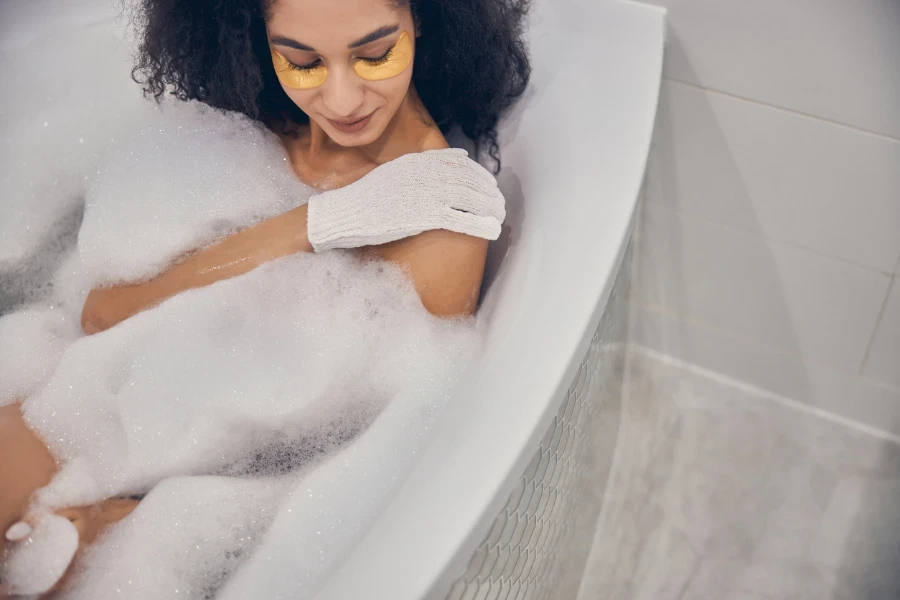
{"type": "Point", "coordinates": [25, 465]}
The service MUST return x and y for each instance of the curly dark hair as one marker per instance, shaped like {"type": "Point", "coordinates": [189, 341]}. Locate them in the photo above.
{"type": "Point", "coordinates": [471, 60]}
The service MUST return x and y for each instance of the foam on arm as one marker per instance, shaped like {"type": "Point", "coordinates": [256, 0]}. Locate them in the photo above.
{"type": "Point", "coordinates": [235, 255]}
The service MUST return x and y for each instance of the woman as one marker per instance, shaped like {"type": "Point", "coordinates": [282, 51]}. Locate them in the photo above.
{"type": "Point", "coordinates": [361, 93]}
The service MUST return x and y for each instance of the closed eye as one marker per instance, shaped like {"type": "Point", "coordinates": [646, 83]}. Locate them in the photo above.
{"type": "Point", "coordinates": [308, 67]}
{"type": "Point", "coordinates": [375, 62]}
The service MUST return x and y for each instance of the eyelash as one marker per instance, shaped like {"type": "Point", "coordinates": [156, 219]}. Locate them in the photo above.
{"type": "Point", "coordinates": [308, 67]}
{"type": "Point", "coordinates": [375, 62]}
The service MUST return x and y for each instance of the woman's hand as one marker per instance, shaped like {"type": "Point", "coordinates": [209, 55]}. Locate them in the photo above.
{"type": "Point", "coordinates": [446, 260]}
{"type": "Point", "coordinates": [233, 256]}
{"type": "Point", "coordinates": [105, 307]}
{"type": "Point", "coordinates": [439, 189]}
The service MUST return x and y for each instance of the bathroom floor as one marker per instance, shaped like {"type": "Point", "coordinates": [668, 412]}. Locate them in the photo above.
{"type": "Point", "coordinates": [721, 493]}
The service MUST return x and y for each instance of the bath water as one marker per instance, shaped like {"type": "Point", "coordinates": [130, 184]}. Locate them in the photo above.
{"type": "Point", "coordinates": [267, 414]}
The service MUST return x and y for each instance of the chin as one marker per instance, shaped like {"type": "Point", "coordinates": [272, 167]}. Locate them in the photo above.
{"type": "Point", "coordinates": [369, 135]}
{"type": "Point", "coordinates": [349, 140]}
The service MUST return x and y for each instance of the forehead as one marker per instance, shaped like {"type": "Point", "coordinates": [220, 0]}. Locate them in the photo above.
{"type": "Point", "coordinates": [325, 24]}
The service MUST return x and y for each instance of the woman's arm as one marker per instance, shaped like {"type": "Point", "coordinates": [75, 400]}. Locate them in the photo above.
{"type": "Point", "coordinates": [446, 268]}
{"type": "Point", "coordinates": [233, 256]}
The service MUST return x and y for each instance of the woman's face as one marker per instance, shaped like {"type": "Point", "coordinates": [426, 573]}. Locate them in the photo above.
{"type": "Point", "coordinates": [346, 63]}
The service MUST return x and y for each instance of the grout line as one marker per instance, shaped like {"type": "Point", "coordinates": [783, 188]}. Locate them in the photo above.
{"type": "Point", "coordinates": [757, 235]}
{"type": "Point", "coordinates": [733, 335]}
{"type": "Point", "coordinates": [793, 111]}
{"type": "Point", "coordinates": [756, 345]}
{"type": "Point", "coordinates": [868, 352]}
{"type": "Point", "coordinates": [884, 385]}
{"type": "Point", "coordinates": [766, 394]}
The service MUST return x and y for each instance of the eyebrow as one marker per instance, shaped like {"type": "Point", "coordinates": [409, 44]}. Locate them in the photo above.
{"type": "Point", "coordinates": [375, 35]}
{"type": "Point", "coordinates": [368, 39]}
{"type": "Point", "coordinates": [283, 41]}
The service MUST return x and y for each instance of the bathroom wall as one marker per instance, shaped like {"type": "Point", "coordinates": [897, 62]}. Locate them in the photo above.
{"type": "Point", "coordinates": [769, 239]}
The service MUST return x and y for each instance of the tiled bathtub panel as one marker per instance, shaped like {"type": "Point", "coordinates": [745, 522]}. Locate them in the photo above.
{"type": "Point", "coordinates": [538, 544]}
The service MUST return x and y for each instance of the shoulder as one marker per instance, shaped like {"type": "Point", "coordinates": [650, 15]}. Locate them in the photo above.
{"type": "Point", "coordinates": [432, 140]}
{"type": "Point", "coordinates": [446, 268]}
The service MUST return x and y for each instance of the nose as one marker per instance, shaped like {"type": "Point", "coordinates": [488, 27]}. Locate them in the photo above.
{"type": "Point", "coordinates": [343, 94]}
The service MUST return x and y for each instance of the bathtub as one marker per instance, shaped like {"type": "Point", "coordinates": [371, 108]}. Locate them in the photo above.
{"type": "Point", "coordinates": [503, 502]}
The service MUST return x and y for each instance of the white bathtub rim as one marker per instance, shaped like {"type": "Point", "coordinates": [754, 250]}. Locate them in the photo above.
{"type": "Point", "coordinates": [370, 572]}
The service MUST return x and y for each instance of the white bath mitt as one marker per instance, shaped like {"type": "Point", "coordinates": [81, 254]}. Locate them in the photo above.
{"type": "Point", "coordinates": [436, 189]}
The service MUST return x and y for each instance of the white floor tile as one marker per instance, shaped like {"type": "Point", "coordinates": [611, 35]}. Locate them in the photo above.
{"type": "Point", "coordinates": [718, 494]}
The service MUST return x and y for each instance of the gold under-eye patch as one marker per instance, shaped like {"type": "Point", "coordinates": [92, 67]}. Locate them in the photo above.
{"type": "Point", "coordinates": [392, 64]}
{"type": "Point", "coordinates": [295, 77]}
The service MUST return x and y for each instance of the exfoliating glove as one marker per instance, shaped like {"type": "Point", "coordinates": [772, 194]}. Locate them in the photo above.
{"type": "Point", "coordinates": [436, 189]}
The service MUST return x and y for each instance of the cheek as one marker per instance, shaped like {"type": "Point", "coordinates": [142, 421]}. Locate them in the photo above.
{"type": "Point", "coordinates": [394, 90]}
{"type": "Point", "coordinates": [303, 99]}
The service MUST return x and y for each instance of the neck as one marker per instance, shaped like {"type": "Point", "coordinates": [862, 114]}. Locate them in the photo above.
{"type": "Point", "coordinates": [410, 129]}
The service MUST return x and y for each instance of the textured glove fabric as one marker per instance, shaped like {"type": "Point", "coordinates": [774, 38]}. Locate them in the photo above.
{"type": "Point", "coordinates": [436, 189]}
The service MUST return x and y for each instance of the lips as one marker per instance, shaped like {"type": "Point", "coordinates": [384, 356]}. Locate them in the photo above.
{"type": "Point", "coordinates": [351, 126]}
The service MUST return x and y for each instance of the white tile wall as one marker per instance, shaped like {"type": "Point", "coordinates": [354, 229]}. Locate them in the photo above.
{"type": "Point", "coordinates": [836, 59]}
{"type": "Point", "coordinates": [825, 388]}
{"type": "Point", "coordinates": [772, 294]}
{"type": "Point", "coordinates": [771, 227]}
{"type": "Point", "coordinates": [832, 189]}
{"type": "Point", "coordinates": [884, 358]}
